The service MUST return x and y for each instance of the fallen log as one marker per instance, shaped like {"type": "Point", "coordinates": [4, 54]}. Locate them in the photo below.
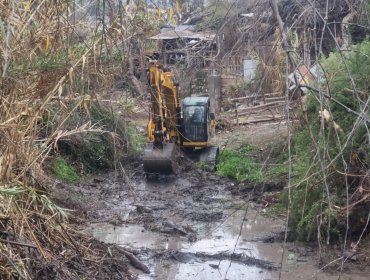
{"type": "Point", "coordinates": [267, 104]}
{"type": "Point", "coordinates": [238, 99]}
{"type": "Point", "coordinates": [277, 109]}
{"type": "Point", "coordinates": [240, 258]}
{"type": "Point", "coordinates": [268, 99]}
{"type": "Point", "coordinates": [270, 106]}
{"type": "Point", "coordinates": [250, 121]}
{"type": "Point", "coordinates": [135, 262]}
{"type": "Point", "coordinates": [255, 95]}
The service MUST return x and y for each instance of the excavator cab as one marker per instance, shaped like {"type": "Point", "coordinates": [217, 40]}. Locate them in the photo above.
{"type": "Point", "coordinates": [198, 125]}
{"type": "Point", "coordinates": [197, 122]}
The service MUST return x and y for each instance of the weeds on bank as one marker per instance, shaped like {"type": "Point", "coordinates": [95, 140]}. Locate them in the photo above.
{"type": "Point", "coordinates": [239, 165]}
{"type": "Point", "coordinates": [65, 171]}
{"type": "Point", "coordinates": [136, 140]}
{"type": "Point", "coordinates": [107, 144]}
{"type": "Point", "coordinates": [321, 156]}
{"type": "Point", "coordinates": [203, 165]}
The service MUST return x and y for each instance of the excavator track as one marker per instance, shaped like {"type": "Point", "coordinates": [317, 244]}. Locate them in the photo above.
{"type": "Point", "coordinates": [160, 160]}
{"type": "Point", "coordinates": [209, 156]}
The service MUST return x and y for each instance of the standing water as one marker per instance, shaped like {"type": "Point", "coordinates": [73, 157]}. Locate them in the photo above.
{"type": "Point", "coordinates": [194, 228]}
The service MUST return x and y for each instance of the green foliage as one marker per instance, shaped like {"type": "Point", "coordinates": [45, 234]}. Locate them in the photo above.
{"type": "Point", "coordinates": [136, 140]}
{"type": "Point", "coordinates": [239, 165]}
{"type": "Point", "coordinates": [339, 73]}
{"type": "Point", "coordinates": [313, 147]}
{"type": "Point", "coordinates": [65, 171]}
{"type": "Point", "coordinates": [203, 165]}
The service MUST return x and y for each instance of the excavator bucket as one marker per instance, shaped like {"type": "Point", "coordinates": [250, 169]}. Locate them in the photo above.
{"type": "Point", "coordinates": [160, 161]}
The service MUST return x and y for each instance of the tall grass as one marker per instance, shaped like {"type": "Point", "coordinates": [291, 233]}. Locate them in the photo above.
{"type": "Point", "coordinates": [47, 78]}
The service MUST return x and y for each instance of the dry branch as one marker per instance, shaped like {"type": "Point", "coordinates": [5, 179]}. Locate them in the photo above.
{"type": "Point", "coordinates": [134, 260]}
{"type": "Point", "coordinates": [18, 243]}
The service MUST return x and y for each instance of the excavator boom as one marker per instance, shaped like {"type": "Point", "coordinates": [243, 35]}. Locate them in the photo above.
{"type": "Point", "coordinates": [164, 120]}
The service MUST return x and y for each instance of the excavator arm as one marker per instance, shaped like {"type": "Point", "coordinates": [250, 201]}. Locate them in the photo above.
{"type": "Point", "coordinates": [164, 122]}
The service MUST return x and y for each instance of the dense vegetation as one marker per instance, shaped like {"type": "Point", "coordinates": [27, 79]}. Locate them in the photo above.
{"type": "Point", "coordinates": [330, 158]}
{"type": "Point", "coordinates": [56, 119]}
{"type": "Point", "coordinates": [58, 71]}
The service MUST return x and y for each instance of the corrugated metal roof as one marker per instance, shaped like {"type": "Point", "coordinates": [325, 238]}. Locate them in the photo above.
{"type": "Point", "coordinates": [174, 34]}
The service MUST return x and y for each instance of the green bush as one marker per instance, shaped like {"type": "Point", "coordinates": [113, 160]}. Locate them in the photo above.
{"type": "Point", "coordinates": [136, 140]}
{"type": "Point", "coordinates": [239, 165]}
{"type": "Point", "coordinates": [313, 148]}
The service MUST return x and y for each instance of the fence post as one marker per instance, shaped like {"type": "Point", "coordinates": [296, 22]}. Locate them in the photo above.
{"type": "Point", "coordinates": [236, 112]}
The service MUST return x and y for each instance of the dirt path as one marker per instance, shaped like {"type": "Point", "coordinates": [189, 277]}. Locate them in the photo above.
{"type": "Point", "coordinates": [259, 135]}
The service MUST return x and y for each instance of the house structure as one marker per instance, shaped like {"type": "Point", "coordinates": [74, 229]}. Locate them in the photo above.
{"type": "Point", "coordinates": [182, 45]}
{"type": "Point", "coordinates": [191, 54]}
{"type": "Point", "coordinates": [246, 49]}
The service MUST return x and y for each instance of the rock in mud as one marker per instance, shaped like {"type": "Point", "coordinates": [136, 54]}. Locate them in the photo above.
{"type": "Point", "coordinates": [116, 220]}
{"type": "Point", "coordinates": [192, 237]}
{"type": "Point", "coordinates": [173, 227]}
{"type": "Point", "coordinates": [143, 209]}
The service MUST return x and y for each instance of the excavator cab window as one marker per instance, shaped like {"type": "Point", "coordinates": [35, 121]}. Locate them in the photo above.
{"type": "Point", "coordinates": [195, 123]}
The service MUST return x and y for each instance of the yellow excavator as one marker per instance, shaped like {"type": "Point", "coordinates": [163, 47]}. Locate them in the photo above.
{"type": "Point", "coordinates": [188, 125]}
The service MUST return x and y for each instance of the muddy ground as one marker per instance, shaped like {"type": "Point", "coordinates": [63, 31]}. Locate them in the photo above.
{"type": "Point", "coordinates": [195, 225]}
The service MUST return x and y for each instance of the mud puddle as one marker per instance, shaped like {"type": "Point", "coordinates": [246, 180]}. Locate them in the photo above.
{"type": "Point", "coordinates": [192, 227]}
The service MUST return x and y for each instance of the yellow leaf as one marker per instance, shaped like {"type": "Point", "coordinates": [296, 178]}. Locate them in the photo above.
{"type": "Point", "coordinates": [47, 42]}
{"type": "Point", "coordinates": [177, 6]}
{"type": "Point", "coordinates": [27, 6]}
{"type": "Point", "coordinates": [159, 13]}
{"type": "Point", "coordinates": [171, 13]}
